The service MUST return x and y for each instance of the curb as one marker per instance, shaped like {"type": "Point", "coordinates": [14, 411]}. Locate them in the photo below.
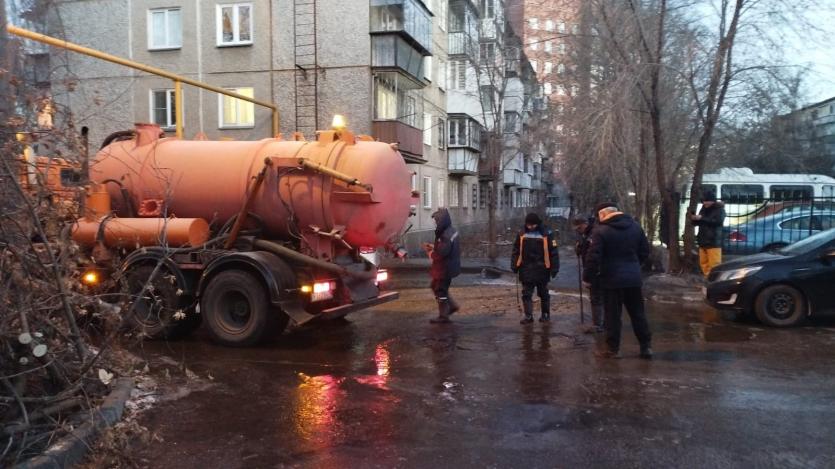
{"type": "Point", "coordinates": [72, 448]}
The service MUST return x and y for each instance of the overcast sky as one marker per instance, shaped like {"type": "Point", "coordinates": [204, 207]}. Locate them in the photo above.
{"type": "Point", "coordinates": [819, 54]}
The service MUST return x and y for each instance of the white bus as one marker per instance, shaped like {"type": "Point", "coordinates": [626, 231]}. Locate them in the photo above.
{"type": "Point", "coordinates": [748, 195]}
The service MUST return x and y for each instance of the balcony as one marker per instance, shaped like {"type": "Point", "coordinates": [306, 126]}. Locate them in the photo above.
{"type": "Point", "coordinates": [407, 18]}
{"type": "Point", "coordinates": [525, 181]}
{"type": "Point", "coordinates": [396, 54]}
{"type": "Point", "coordinates": [461, 43]}
{"type": "Point", "coordinates": [512, 177]}
{"type": "Point", "coordinates": [408, 138]}
{"type": "Point", "coordinates": [462, 162]}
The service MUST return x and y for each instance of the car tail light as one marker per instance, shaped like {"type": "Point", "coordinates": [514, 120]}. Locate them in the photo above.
{"type": "Point", "coordinates": [382, 276]}
{"type": "Point", "coordinates": [737, 236]}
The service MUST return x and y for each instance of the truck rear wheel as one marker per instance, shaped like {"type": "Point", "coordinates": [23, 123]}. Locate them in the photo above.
{"type": "Point", "coordinates": [237, 309]}
{"type": "Point", "coordinates": [158, 309]}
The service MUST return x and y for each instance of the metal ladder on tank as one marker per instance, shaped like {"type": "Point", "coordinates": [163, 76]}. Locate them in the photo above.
{"type": "Point", "coordinates": [307, 69]}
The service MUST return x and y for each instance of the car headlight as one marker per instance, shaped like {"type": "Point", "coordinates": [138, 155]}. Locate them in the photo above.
{"type": "Point", "coordinates": [737, 274]}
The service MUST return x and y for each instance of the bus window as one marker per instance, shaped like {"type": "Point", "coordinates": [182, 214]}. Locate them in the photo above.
{"type": "Point", "coordinates": [685, 191]}
{"type": "Point", "coordinates": [742, 193]}
{"type": "Point", "coordinates": [779, 193]}
{"type": "Point", "coordinates": [828, 191]}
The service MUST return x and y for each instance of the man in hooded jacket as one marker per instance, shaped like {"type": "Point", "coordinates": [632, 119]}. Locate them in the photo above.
{"type": "Point", "coordinates": [710, 220]}
{"type": "Point", "coordinates": [618, 248]}
{"type": "Point", "coordinates": [536, 259]}
{"type": "Point", "coordinates": [446, 264]}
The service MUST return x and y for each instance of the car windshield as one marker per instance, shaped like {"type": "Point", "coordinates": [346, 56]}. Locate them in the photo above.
{"type": "Point", "coordinates": [809, 244]}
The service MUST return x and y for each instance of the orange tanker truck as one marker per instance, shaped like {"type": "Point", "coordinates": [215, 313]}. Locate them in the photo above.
{"type": "Point", "coordinates": [245, 236]}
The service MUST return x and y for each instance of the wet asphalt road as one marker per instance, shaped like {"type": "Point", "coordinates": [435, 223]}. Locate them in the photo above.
{"type": "Point", "coordinates": [387, 389]}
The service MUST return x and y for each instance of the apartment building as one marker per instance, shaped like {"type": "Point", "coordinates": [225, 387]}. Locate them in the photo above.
{"type": "Point", "coordinates": [399, 70]}
{"type": "Point", "coordinates": [814, 127]}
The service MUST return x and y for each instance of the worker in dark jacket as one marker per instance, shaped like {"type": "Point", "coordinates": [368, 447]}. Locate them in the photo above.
{"type": "Point", "coordinates": [710, 220]}
{"type": "Point", "coordinates": [583, 228]}
{"type": "Point", "coordinates": [446, 264]}
{"type": "Point", "coordinates": [617, 250]}
{"type": "Point", "coordinates": [536, 259]}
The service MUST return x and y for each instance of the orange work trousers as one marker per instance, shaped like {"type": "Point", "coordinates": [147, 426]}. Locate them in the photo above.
{"type": "Point", "coordinates": [709, 258]}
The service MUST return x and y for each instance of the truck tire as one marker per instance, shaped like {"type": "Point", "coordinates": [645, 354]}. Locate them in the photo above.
{"type": "Point", "coordinates": [162, 312]}
{"type": "Point", "coordinates": [780, 306]}
{"type": "Point", "coordinates": [237, 309]}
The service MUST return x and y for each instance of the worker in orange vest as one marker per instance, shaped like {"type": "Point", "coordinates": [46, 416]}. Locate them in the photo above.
{"type": "Point", "coordinates": [536, 259]}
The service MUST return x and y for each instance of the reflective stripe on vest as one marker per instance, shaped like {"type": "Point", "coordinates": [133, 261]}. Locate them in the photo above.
{"type": "Point", "coordinates": [544, 249]}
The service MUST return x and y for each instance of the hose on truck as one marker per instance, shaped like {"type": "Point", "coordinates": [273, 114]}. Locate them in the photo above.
{"type": "Point", "coordinates": [288, 253]}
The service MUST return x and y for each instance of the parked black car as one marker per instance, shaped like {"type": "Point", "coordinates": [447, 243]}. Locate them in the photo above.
{"type": "Point", "coordinates": [782, 287]}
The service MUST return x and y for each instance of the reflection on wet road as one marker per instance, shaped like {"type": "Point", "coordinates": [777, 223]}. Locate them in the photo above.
{"type": "Point", "coordinates": [387, 389]}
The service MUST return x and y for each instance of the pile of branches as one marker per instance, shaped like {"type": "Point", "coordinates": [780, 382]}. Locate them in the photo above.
{"type": "Point", "coordinates": [49, 371]}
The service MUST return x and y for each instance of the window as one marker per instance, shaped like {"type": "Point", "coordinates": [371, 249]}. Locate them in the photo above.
{"type": "Point", "coordinates": [465, 195]}
{"type": "Point", "coordinates": [560, 90]}
{"type": "Point", "coordinates": [534, 65]}
{"type": "Point", "coordinates": [458, 132]}
{"type": "Point", "coordinates": [165, 29]}
{"type": "Point", "coordinates": [486, 92]}
{"type": "Point", "coordinates": [549, 25]}
{"type": "Point", "coordinates": [488, 51]}
{"type": "Point", "coordinates": [427, 128]}
{"type": "Point", "coordinates": [441, 133]}
{"type": "Point", "coordinates": [575, 29]}
{"type": "Point", "coordinates": [386, 101]}
{"type": "Point", "coordinates": [162, 108]}
{"type": "Point", "coordinates": [475, 196]}
{"type": "Point", "coordinates": [234, 24]}
{"type": "Point", "coordinates": [442, 71]}
{"type": "Point", "coordinates": [548, 67]}
{"type": "Point", "coordinates": [488, 8]}
{"type": "Point", "coordinates": [427, 192]}
{"type": "Point", "coordinates": [482, 195]}
{"type": "Point", "coordinates": [453, 193]}
{"type": "Point", "coordinates": [442, 15]}
{"type": "Point", "coordinates": [801, 223]}
{"type": "Point", "coordinates": [534, 23]}
{"type": "Point", "coordinates": [562, 48]}
{"type": "Point", "coordinates": [548, 88]}
{"type": "Point", "coordinates": [791, 192]}
{"type": "Point", "coordinates": [511, 121]}
{"type": "Point", "coordinates": [427, 67]}
{"type": "Point", "coordinates": [441, 193]}
{"type": "Point", "coordinates": [742, 193]}
{"type": "Point", "coordinates": [548, 46]}
{"type": "Point", "coordinates": [414, 182]}
{"type": "Point", "coordinates": [561, 69]}
{"type": "Point", "coordinates": [458, 74]}
{"type": "Point", "coordinates": [561, 27]}
{"type": "Point", "coordinates": [534, 43]}
{"type": "Point", "coordinates": [235, 112]}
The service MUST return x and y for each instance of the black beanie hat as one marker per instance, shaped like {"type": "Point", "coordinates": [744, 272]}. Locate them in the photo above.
{"type": "Point", "coordinates": [708, 196]}
{"type": "Point", "coordinates": [532, 219]}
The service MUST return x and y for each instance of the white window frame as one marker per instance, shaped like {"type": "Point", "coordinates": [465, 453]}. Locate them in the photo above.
{"type": "Point", "coordinates": [169, 45]}
{"type": "Point", "coordinates": [547, 88]}
{"type": "Point", "coordinates": [441, 192]}
{"type": "Point", "coordinates": [427, 129]}
{"type": "Point", "coordinates": [414, 182]}
{"type": "Point", "coordinates": [454, 192]}
{"type": "Point", "coordinates": [549, 67]}
{"type": "Point", "coordinates": [238, 102]}
{"type": "Point", "coordinates": [236, 33]}
{"type": "Point", "coordinates": [549, 25]}
{"type": "Point", "coordinates": [171, 113]}
{"type": "Point", "coordinates": [426, 199]}
{"type": "Point", "coordinates": [548, 46]}
{"type": "Point", "coordinates": [534, 23]}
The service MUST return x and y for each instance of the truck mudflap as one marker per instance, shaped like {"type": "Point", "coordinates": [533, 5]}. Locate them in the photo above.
{"type": "Point", "coordinates": [340, 311]}
{"type": "Point", "coordinates": [295, 311]}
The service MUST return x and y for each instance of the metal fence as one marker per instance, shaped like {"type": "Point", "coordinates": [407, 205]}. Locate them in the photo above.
{"type": "Point", "coordinates": [770, 224]}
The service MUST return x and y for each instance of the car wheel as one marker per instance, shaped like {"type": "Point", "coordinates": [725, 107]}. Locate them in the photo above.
{"type": "Point", "coordinates": [774, 247]}
{"type": "Point", "coordinates": [237, 310]}
{"type": "Point", "coordinates": [780, 306]}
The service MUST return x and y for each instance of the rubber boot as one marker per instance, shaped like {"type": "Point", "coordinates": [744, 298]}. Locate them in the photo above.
{"type": "Point", "coordinates": [453, 305]}
{"type": "Point", "coordinates": [528, 308]}
{"type": "Point", "coordinates": [545, 307]}
{"type": "Point", "coordinates": [443, 313]}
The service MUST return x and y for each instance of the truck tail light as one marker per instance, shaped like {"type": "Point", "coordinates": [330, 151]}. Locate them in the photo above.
{"type": "Point", "coordinates": [382, 276]}
{"type": "Point", "coordinates": [737, 236]}
{"type": "Point", "coordinates": [319, 291]}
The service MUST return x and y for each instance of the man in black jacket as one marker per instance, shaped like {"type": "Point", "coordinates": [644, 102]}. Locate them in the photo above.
{"type": "Point", "coordinates": [536, 258]}
{"type": "Point", "coordinates": [446, 264]}
{"type": "Point", "coordinates": [710, 220]}
{"type": "Point", "coordinates": [617, 250]}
